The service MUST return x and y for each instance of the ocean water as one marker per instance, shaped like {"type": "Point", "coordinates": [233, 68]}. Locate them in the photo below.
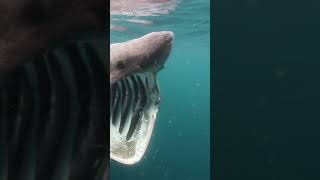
{"type": "Point", "coordinates": [180, 145]}
{"type": "Point", "coordinates": [266, 91]}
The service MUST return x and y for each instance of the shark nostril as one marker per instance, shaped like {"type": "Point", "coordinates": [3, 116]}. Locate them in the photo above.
{"type": "Point", "coordinates": [120, 65]}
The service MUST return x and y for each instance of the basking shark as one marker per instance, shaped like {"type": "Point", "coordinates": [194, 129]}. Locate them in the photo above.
{"type": "Point", "coordinates": [53, 88]}
{"type": "Point", "coordinates": [134, 93]}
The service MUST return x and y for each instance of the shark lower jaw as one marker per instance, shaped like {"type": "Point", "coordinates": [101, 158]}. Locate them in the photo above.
{"type": "Point", "coordinates": [135, 102]}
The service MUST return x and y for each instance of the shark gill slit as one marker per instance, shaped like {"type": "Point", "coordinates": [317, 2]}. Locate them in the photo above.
{"type": "Point", "coordinates": [129, 99]}
{"type": "Point", "coordinates": [48, 97]}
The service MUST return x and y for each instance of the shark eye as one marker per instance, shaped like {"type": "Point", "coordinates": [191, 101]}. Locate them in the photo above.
{"type": "Point", "coordinates": [120, 64]}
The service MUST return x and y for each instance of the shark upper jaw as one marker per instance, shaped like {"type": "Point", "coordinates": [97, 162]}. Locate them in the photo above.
{"type": "Point", "coordinates": [135, 95]}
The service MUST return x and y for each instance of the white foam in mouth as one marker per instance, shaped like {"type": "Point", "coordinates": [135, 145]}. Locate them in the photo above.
{"type": "Point", "coordinates": [134, 106]}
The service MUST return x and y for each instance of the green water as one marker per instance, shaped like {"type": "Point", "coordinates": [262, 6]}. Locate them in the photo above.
{"type": "Point", "coordinates": [180, 146]}
{"type": "Point", "coordinates": [266, 90]}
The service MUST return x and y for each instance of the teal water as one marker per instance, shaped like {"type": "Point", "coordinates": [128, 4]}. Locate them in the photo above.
{"type": "Point", "coordinates": [180, 146]}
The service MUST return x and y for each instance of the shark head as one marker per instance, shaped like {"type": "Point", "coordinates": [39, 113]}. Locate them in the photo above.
{"type": "Point", "coordinates": [135, 96]}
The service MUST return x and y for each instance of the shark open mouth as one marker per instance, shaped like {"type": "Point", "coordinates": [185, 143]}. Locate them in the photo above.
{"type": "Point", "coordinates": [134, 106]}
{"type": "Point", "coordinates": [134, 93]}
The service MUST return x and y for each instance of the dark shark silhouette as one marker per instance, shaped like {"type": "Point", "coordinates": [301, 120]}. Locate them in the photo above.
{"type": "Point", "coordinates": [52, 117]}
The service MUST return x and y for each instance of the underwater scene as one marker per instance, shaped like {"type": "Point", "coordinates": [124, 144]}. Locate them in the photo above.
{"type": "Point", "coordinates": [179, 147]}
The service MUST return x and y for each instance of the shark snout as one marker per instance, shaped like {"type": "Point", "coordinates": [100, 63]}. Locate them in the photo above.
{"type": "Point", "coordinates": [167, 36]}
{"type": "Point", "coordinates": [159, 45]}
{"type": "Point", "coordinates": [146, 54]}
